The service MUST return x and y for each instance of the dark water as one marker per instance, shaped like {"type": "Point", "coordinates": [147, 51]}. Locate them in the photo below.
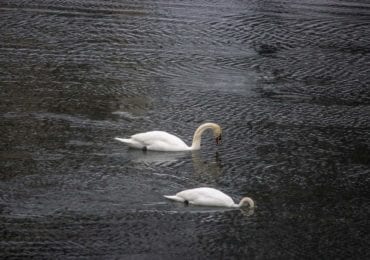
{"type": "Point", "coordinates": [289, 82]}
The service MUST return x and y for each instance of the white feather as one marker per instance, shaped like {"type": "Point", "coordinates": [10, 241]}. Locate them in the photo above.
{"type": "Point", "coordinates": [163, 141]}
{"type": "Point", "coordinates": [208, 197]}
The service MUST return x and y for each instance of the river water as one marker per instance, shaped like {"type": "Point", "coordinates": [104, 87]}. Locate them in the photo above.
{"type": "Point", "coordinates": [288, 81]}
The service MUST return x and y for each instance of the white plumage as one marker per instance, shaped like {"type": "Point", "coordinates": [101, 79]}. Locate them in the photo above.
{"type": "Point", "coordinates": [163, 141]}
{"type": "Point", "coordinates": [209, 197]}
{"type": "Point", "coordinates": [156, 141]}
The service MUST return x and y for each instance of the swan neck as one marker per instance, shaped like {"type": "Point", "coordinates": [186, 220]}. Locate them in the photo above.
{"type": "Point", "coordinates": [246, 201]}
{"type": "Point", "coordinates": [198, 134]}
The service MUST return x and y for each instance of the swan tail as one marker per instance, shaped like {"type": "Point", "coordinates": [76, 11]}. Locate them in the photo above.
{"type": "Point", "coordinates": [175, 198]}
{"type": "Point", "coordinates": [127, 141]}
{"type": "Point", "coordinates": [130, 142]}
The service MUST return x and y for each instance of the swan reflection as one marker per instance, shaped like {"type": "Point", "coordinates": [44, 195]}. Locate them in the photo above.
{"type": "Point", "coordinates": [153, 157]}
{"type": "Point", "coordinates": [203, 169]}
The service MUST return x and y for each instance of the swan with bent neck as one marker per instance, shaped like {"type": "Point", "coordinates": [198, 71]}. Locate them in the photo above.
{"type": "Point", "coordinates": [209, 197]}
{"type": "Point", "coordinates": [163, 141]}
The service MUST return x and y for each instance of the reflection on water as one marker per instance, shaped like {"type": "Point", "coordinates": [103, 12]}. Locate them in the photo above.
{"type": "Point", "coordinates": [154, 157]}
{"type": "Point", "coordinates": [287, 81]}
{"type": "Point", "coordinates": [206, 171]}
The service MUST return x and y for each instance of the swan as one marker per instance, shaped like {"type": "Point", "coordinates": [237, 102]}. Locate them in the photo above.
{"type": "Point", "coordinates": [163, 141]}
{"type": "Point", "coordinates": [209, 197]}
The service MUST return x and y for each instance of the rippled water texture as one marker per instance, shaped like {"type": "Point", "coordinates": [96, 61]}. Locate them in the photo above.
{"type": "Point", "coordinates": [287, 80]}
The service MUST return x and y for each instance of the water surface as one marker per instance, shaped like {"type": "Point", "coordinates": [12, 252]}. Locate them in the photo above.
{"type": "Point", "coordinates": [287, 81]}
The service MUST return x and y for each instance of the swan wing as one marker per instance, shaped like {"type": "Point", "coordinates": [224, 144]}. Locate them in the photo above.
{"type": "Point", "coordinates": [160, 141]}
{"type": "Point", "coordinates": [149, 137]}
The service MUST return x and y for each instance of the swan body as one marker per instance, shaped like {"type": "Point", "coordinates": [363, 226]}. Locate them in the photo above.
{"type": "Point", "coordinates": [163, 141]}
{"type": "Point", "coordinates": [209, 197]}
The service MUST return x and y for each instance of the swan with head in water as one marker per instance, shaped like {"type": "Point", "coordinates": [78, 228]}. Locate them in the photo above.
{"type": "Point", "coordinates": [163, 141]}
{"type": "Point", "coordinates": [209, 197]}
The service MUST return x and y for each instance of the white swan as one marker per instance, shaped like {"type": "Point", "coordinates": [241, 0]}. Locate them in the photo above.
{"type": "Point", "coordinates": [163, 141]}
{"type": "Point", "coordinates": [209, 197]}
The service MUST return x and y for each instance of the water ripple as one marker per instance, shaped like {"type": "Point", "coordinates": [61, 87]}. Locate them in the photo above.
{"type": "Point", "coordinates": [287, 81]}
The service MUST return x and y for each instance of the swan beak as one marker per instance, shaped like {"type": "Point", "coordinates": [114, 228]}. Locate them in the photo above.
{"type": "Point", "coordinates": [218, 139]}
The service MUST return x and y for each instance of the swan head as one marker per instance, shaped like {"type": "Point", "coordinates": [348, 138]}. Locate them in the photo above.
{"type": "Point", "coordinates": [218, 139]}
{"type": "Point", "coordinates": [217, 132]}
{"type": "Point", "coordinates": [246, 201]}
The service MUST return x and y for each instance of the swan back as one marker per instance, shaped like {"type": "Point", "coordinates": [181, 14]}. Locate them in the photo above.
{"type": "Point", "coordinates": [206, 197]}
{"type": "Point", "coordinates": [159, 141]}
